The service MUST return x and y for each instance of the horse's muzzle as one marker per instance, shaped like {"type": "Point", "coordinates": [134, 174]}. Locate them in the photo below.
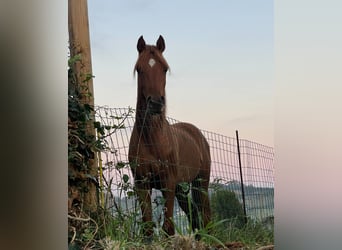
{"type": "Point", "coordinates": [155, 106]}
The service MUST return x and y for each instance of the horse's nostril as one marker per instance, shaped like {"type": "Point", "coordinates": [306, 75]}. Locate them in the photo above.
{"type": "Point", "coordinates": [162, 99]}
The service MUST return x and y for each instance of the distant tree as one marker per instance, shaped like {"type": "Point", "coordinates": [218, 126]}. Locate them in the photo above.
{"type": "Point", "coordinates": [225, 205]}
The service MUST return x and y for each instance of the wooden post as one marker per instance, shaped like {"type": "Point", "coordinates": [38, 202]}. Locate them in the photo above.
{"type": "Point", "coordinates": [79, 42]}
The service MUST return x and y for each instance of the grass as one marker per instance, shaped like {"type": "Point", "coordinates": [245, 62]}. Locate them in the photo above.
{"type": "Point", "coordinates": [225, 232]}
{"type": "Point", "coordinates": [122, 232]}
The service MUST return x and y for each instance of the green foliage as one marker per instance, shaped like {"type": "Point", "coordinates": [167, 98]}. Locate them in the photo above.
{"type": "Point", "coordinates": [226, 206]}
{"type": "Point", "coordinates": [229, 225]}
{"type": "Point", "coordinates": [252, 234]}
{"type": "Point", "coordinates": [207, 234]}
{"type": "Point", "coordinates": [80, 143]}
{"type": "Point", "coordinates": [86, 230]}
{"type": "Point", "coordinates": [82, 147]}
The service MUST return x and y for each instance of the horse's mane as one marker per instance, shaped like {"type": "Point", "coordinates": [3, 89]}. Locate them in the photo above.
{"type": "Point", "coordinates": [145, 55]}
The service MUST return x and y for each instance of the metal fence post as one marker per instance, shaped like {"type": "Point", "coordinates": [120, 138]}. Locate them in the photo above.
{"type": "Point", "coordinates": [241, 178]}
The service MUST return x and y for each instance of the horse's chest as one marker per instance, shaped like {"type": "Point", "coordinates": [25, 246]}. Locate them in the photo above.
{"type": "Point", "coordinates": [155, 157]}
{"type": "Point", "coordinates": [157, 147]}
{"type": "Point", "coordinates": [155, 171]}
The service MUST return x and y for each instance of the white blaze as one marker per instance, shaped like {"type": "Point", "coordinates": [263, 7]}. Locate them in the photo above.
{"type": "Point", "coordinates": [151, 62]}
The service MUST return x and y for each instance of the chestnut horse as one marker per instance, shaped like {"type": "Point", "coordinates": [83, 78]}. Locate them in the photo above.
{"type": "Point", "coordinates": [164, 156]}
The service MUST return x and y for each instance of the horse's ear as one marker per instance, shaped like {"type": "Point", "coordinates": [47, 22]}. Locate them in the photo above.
{"type": "Point", "coordinates": [161, 44]}
{"type": "Point", "coordinates": [141, 44]}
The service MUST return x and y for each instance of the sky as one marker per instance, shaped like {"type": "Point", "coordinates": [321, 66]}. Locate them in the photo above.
{"type": "Point", "coordinates": [220, 54]}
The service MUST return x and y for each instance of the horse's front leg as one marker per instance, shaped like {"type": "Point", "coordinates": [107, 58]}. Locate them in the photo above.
{"type": "Point", "coordinates": [169, 196]}
{"type": "Point", "coordinates": [144, 196]}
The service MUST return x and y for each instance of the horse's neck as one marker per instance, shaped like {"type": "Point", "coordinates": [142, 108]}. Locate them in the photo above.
{"type": "Point", "coordinates": [152, 129]}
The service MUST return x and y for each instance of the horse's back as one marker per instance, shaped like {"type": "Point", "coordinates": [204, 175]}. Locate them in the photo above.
{"type": "Point", "coordinates": [193, 147]}
{"type": "Point", "coordinates": [194, 133]}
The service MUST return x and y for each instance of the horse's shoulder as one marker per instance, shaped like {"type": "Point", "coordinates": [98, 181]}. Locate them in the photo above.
{"type": "Point", "coordinates": [188, 132]}
{"type": "Point", "coordinates": [187, 128]}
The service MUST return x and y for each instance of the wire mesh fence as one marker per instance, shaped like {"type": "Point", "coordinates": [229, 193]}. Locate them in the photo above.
{"type": "Point", "coordinates": [117, 181]}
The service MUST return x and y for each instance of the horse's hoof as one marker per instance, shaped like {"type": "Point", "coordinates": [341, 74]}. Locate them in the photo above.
{"type": "Point", "coordinates": [198, 237]}
{"type": "Point", "coordinates": [148, 240]}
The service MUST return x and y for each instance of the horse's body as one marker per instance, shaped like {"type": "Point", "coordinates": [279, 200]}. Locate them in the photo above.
{"type": "Point", "coordinates": [162, 156]}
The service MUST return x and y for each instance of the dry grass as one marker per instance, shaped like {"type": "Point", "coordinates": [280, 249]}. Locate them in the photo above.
{"type": "Point", "coordinates": [178, 242]}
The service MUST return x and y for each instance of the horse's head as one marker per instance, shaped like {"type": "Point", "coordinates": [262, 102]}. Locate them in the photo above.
{"type": "Point", "coordinates": [151, 68]}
